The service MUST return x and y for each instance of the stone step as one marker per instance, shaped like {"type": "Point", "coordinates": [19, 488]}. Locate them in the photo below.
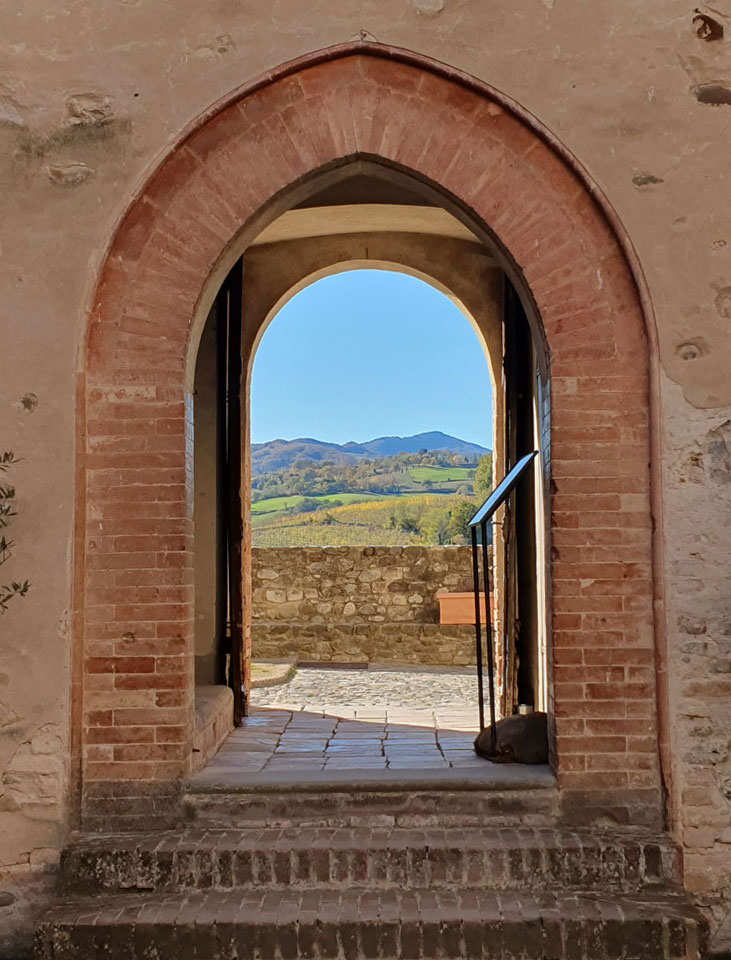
{"type": "Point", "coordinates": [502, 795]}
{"type": "Point", "coordinates": [365, 924]}
{"type": "Point", "coordinates": [345, 858]}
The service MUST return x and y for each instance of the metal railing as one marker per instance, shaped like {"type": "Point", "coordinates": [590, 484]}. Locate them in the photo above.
{"type": "Point", "coordinates": [479, 522]}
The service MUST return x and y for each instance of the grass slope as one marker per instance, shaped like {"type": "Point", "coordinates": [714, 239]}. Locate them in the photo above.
{"type": "Point", "coordinates": [277, 506]}
{"type": "Point", "coordinates": [440, 474]}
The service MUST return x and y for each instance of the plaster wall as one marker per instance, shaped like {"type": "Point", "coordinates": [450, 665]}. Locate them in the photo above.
{"type": "Point", "coordinates": [92, 94]}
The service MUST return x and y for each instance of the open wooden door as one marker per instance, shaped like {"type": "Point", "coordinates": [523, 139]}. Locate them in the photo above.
{"type": "Point", "coordinates": [520, 658]}
{"type": "Point", "coordinates": [232, 662]}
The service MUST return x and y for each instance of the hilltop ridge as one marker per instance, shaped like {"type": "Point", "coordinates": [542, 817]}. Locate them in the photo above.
{"type": "Point", "coordinates": [279, 454]}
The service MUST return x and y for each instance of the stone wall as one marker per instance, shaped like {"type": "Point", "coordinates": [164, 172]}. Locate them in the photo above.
{"type": "Point", "coordinates": [355, 604]}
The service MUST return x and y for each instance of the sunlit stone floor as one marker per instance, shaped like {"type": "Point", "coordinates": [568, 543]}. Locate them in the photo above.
{"type": "Point", "coordinates": [348, 693]}
{"type": "Point", "coordinates": [375, 719]}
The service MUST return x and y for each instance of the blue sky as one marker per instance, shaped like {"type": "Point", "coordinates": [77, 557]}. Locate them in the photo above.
{"type": "Point", "coordinates": [365, 354]}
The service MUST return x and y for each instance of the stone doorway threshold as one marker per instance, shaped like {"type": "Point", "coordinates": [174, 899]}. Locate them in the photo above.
{"type": "Point", "coordinates": [387, 728]}
{"type": "Point", "coordinates": [277, 748]}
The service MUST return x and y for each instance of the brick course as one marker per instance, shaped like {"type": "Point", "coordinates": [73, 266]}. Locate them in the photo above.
{"type": "Point", "coordinates": [360, 892]}
{"type": "Point", "coordinates": [434, 857]}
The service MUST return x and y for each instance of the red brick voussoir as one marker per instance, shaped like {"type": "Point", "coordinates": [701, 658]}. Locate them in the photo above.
{"type": "Point", "coordinates": [137, 559]}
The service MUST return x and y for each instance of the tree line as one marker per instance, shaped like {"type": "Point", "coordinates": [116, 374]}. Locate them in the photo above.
{"type": "Point", "coordinates": [380, 475]}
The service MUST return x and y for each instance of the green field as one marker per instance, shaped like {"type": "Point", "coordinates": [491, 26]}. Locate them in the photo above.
{"type": "Point", "coordinates": [277, 506]}
{"type": "Point", "coordinates": [441, 474]}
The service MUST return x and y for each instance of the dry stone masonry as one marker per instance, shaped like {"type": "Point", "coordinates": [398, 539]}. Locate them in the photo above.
{"type": "Point", "coordinates": [358, 604]}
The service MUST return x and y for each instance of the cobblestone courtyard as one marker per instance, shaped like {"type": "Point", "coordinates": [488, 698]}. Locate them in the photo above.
{"type": "Point", "coordinates": [374, 719]}
{"type": "Point", "coordinates": [355, 693]}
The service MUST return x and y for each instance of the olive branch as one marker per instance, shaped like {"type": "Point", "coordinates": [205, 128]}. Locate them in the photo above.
{"type": "Point", "coordinates": [7, 497]}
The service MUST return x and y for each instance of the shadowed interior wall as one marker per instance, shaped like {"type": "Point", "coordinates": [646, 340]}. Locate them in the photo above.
{"type": "Point", "coordinates": [205, 510]}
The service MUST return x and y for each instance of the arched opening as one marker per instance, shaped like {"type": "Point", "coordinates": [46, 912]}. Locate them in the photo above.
{"type": "Point", "coordinates": [361, 354]}
{"type": "Point", "coordinates": [362, 217]}
{"type": "Point", "coordinates": [274, 158]}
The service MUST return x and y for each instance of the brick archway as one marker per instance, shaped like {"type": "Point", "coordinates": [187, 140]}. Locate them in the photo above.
{"type": "Point", "coordinates": [133, 714]}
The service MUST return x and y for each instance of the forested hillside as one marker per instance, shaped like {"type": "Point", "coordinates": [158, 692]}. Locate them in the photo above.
{"type": "Point", "coordinates": [422, 497]}
{"type": "Point", "coordinates": [280, 454]}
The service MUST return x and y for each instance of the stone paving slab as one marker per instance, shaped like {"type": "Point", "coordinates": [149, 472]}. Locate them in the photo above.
{"type": "Point", "coordinates": [372, 746]}
{"type": "Point", "coordinates": [339, 720]}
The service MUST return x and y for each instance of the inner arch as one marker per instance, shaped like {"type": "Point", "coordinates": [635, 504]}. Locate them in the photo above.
{"type": "Point", "coordinates": [363, 215]}
{"type": "Point", "coordinates": [360, 330]}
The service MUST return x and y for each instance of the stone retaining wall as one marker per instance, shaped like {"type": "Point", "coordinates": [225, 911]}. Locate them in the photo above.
{"type": "Point", "coordinates": [396, 643]}
{"type": "Point", "coordinates": [356, 604]}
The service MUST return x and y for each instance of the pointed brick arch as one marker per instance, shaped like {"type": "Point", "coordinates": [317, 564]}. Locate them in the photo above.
{"type": "Point", "coordinates": [134, 555]}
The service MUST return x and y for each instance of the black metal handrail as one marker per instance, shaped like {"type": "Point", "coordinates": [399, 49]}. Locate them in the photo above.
{"type": "Point", "coordinates": [480, 520]}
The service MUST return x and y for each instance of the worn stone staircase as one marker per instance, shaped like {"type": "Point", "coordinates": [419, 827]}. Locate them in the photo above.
{"type": "Point", "coordinates": [334, 880]}
{"type": "Point", "coordinates": [379, 798]}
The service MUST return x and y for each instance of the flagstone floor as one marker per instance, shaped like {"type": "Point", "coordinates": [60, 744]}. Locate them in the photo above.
{"type": "Point", "coordinates": [367, 720]}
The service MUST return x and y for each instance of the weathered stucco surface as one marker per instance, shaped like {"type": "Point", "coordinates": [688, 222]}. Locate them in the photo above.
{"type": "Point", "coordinates": [697, 473]}
{"type": "Point", "coordinates": [92, 94]}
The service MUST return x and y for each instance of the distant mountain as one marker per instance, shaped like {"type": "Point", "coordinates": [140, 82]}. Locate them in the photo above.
{"type": "Point", "coordinates": [279, 454]}
{"type": "Point", "coordinates": [434, 440]}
